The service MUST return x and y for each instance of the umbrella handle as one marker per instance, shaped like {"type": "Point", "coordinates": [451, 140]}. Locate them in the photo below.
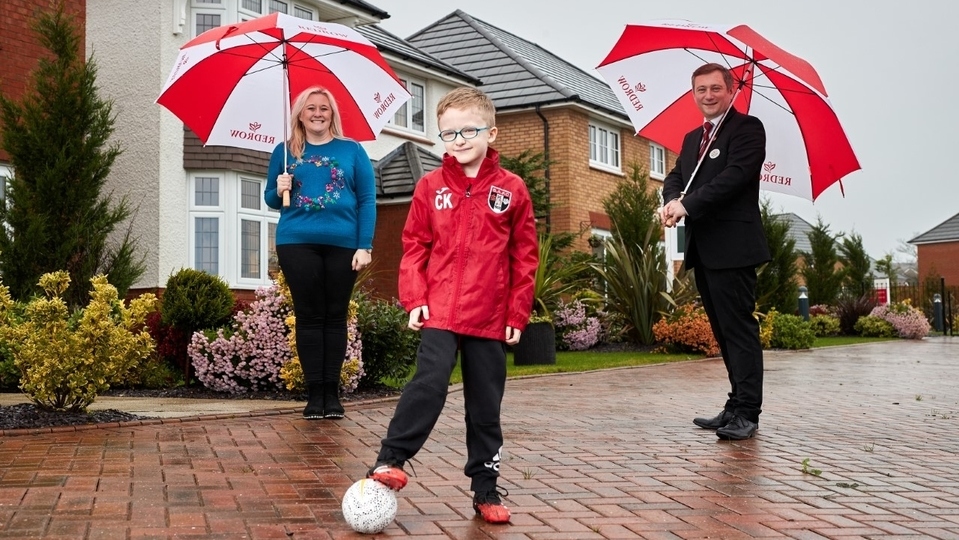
{"type": "Point", "coordinates": [286, 199]}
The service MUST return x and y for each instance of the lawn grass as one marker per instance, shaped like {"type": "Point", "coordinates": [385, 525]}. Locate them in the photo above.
{"type": "Point", "coordinates": [577, 361]}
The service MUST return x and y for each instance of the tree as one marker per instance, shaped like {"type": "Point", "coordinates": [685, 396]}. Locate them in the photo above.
{"type": "Point", "coordinates": [886, 267]}
{"type": "Point", "coordinates": [776, 282]}
{"type": "Point", "coordinates": [527, 166]}
{"type": "Point", "coordinates": [823, 278]}
{"type": "Point", "coordinates": [57, 137]}
{"type": "Point", "coordinates": [631, 208]}
{"type": "Point", "coordinates": [857, 266]}
{"type": "Point", "coordinates": [634, 269]}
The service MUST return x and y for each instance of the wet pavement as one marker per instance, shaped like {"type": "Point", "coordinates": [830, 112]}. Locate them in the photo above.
{"type": "Point", "coordinates": [857, 442]}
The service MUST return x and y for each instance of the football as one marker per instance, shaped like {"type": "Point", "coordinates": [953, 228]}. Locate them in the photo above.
{"type": "Point", "coordinates": [369, 506]}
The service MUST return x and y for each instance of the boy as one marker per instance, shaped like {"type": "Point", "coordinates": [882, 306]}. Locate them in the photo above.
{"type": "Point", "coordinates": [466, 279]}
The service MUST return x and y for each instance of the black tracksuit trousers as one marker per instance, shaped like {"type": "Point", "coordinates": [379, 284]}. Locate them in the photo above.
{"type": "Point", "coordinates": [423, 398]}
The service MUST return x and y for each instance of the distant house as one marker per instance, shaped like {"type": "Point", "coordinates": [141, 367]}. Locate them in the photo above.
{"type": "Point", "coordinates": [938, 251]}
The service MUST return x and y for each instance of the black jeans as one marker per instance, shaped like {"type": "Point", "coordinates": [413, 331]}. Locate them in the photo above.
{"type": "Point", "coordinates": [321, 281]}
{"type": "Point", "coordinates": [484, 381]}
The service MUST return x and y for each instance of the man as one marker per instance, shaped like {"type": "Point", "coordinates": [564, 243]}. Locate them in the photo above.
{"type": "Point", "coordinates": [724, 238]}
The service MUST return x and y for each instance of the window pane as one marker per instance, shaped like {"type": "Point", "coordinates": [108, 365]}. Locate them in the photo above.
{"type": "Point", "coordinates": [253, 5]}
{"type": "Point", "coordinates": [207, 191]}
{"type": "Point", "coordinates": [603, 146]}
{"type": "Point", "coordinates": [250, 249]}
{"type": "Point", "coordinates": [273, 262]}
{"type": "Point", "coordinates": [207, 245]}
{"type": "Point", "coordinates": [250, 197]}
{"type": "Point", "coordinates": [207, 1]}
{"type": "Point", "coordinates": [417, 101]}
{"type": "Point", "coordinates": [592, 143]}
{"type": "Point", "coordinates": [276, 6]}
{"type": "Point", "coordinates": [614, 149]}
{"type": "Point", "coordinates": [399, 118]}
{"type": "Point", "coordinates": [206, 21]}
{"type": "Point", "coordinates": [302, 13]}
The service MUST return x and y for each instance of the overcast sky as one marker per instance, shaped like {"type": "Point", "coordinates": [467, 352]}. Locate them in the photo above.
{"type": "Point", "coordinates": [889, 69]}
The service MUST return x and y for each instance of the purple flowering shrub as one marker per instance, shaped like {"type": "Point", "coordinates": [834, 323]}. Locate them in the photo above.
{"type": "Point", "coordinates": [909, 322]}
{"type": "Point", "coordinates": [576, 329]}
{"type": "Point", "coordinates": [248, 355]}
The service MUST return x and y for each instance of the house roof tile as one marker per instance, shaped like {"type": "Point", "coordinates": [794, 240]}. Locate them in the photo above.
{"type": "Point", "coordinates": [391, 43]}
{"type": "Point", "coordinates": [397, 172]}
{"type": "Point", "coordinates": [947, 231]}
{"type": "Point", "coordinates": [516, 73]}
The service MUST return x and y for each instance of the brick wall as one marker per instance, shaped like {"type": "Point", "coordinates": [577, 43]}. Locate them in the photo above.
{"type": "Point", "coordinates": [576, 189]}
{"type": "Point", "coordinates": [19, 48]}
{"type": "Point", "coordinates": [387, 249]}
{"type": "Point", "coordinates": [939, 259]}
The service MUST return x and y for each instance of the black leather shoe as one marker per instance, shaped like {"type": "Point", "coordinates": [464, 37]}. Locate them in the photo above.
{"type": "Point", "coordinates": [716, 422]}
{"type": "Point", "coordinates": [737, 429]}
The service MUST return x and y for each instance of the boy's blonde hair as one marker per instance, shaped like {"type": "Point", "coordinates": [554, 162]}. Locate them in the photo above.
{"type": "Point", "coordinates": [469, 98]}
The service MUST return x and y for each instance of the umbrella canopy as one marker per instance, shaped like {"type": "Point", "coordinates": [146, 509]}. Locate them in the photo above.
{"type": "Point", "coordinates": [233, 85]}
{"type": "Point", "coordinates": [649, 70]}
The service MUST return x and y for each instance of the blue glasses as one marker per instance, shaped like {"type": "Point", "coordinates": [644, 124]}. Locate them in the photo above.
{"type": "Point", "coordinates": [467, 133]}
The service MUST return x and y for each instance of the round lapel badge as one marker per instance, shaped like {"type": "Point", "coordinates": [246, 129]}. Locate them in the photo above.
{"type": "Point", "coordinates": [714, 153]}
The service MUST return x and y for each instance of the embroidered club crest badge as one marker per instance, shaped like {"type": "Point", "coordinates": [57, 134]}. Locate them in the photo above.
{"type": "Point", "coordinates": [499, 199]}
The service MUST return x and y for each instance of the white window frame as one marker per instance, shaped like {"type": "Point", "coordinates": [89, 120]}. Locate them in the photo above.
{"type": "Point", "coordinates": [266, 6]}
{"type": "Point", "coordinates": [230, 214]}
{"type": "Point", "coordinates": [205, 11]}
{"type": "Point", "coordinates": [6, 173]}
{"type": "Point", "coordinates": [604, 154]}
{"type": "Point", "coordinates": [657, 161]}
{"type": "Point", "coordinates": [264, 216]}
{"type": "Point", "coordinates": [407, 108]}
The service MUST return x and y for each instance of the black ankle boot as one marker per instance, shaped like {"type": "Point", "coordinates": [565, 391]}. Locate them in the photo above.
{"type": "Point", "coordinates": [314, 404]}
{"type": "Point", "coordinates": [331, 398]}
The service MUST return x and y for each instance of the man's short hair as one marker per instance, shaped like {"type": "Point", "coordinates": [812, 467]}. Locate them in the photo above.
{"type": "Point", "coordinates": [706, 69]}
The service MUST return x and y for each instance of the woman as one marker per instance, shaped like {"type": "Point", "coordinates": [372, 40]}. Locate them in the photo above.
{"type": "Point", "coordinates": [324, 237]}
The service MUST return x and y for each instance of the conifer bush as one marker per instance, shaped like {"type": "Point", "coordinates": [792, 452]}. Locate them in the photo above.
{"type": "Point", "coordinates": [68, 358]}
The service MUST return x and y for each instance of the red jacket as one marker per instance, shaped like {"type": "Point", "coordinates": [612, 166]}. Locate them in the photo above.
{"type": "Point", "coordinates": [470, 250]}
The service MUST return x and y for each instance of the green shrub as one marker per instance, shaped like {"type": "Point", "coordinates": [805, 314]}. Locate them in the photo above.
{"type": "Point", "coordinates": [67, 359]}
{"type": "Point", "coordinates": [825, 325]}
{"type": "Point", "coordinates": [389, 347]}
{"type": "Point", "coordinates": [792, 332]}
{"type": "Point", "coordinates": [195, 300]}
{"type": "Point", "coordinates": [870, 326]}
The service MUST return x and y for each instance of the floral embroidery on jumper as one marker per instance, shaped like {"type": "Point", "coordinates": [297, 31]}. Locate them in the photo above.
{"type": "Point", "coordinates": [333, 187]}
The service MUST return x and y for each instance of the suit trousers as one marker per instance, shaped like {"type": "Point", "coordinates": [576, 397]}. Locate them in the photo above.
{"type": "Point", "coordinates": [729, 297]}
{"type": "Point", "coordinates": [423, 399]}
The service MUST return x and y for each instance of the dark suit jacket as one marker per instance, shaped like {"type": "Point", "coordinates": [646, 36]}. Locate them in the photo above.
{"type": "Point", "coordinates": [723, 226]}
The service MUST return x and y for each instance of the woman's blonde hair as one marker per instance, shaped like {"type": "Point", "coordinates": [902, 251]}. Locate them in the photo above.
{"type": "Point", "coordinates": [297, 140]}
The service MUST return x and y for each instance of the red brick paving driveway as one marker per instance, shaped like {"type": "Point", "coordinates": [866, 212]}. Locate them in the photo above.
{"type": "Point", "coordinates": [609, 454]}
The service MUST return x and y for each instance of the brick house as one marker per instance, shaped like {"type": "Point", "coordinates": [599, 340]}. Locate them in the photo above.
{"type": "Point", "coordinates": [188, 198]}
{"type": "Point", "coordinates": [547, 105]}
{"type": "Point", "coordinates": [938, 250]}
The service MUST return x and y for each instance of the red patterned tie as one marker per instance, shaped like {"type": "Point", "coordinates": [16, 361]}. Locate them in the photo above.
{"type": "Point", "coordinates": [707, 128]}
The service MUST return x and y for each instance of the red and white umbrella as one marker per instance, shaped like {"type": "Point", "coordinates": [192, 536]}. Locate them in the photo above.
{"type": "Point", "coordinates": [649, 70]}
{"type": "Point", "coordinates": [233, 85]}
